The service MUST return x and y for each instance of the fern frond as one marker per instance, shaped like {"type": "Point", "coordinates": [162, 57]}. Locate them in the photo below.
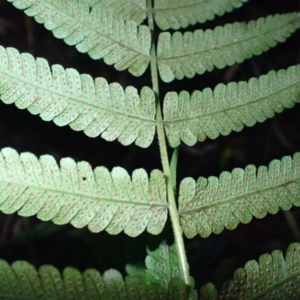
{"type": "Point", "coordinates": [78, 195]}
{"type": "Point", "coordinates": [178, 14]}
{"type": "Point", "coordinates": [68, 98]}
{"type": "Point", "coordinates": [22, 281]}
{"type": "Point", "coordinates": [135, 10]}
{"type": "Point", "coordinates": [184, 55]}
{"type": "Point", "coordinates": [229, 107]}
{"type": "Point", "coordinates": [212, 204]}
{"type": "Point", "coordinates": [208, 292]}
{"type": "Point", "coordinates": [162, 264]}
{"type": "Point", "coordinates": [96, 32]}
{"type": "Point", "coordinates": [272, 277]}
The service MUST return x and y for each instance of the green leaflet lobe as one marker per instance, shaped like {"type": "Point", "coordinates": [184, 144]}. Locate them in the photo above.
{"type": "Point", "coordinates": [76, 194]}
{"type": "Point", "coordinates": [272, 277]}
{"type": "Point", "coordinates": [135, 10]}
{"type": "Point", "coordinates": [70, 98]}
{"type": "Point", "coordinates": [162, 267]}
{"type": "Point", "coordinates": [162, 264]}
{"type": "Point", "coordinates": [209, 113]}
{"type": "Point", "coordinates": [96, 32]}
{"type": "Point", "coordinates": [209, 205]}
{"type": "Point", "coordinates": [22, 281]}
{"type": "Point", "coordinates": [178, 14]}
{"type": "Point", "coordinates": [185, 55]}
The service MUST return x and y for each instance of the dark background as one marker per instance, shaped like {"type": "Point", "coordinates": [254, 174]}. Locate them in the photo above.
{"type": "Point", "coordinates": [212, 259]}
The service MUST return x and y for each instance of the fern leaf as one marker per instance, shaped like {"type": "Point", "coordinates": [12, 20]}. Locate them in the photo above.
{"type": "Point", "coordinates": [22, 281]}
{"type": "Point", "coordinates": [184, 55]}
{"type": "Point", "coordinates": [162, 266]}
{"type": "Point", "coordinates": [135, 10]}
{"type": "Point", "coordinates": [177, 290]}
{"type": "Point", "coordinates": [66, 97]}
{"type": "Point", "coordinates": [78, 195]}
{"type": "Point", "coordinates": [229, 107]}
{"type": "Point", "coordinates": [272, 277]}
{"type": "Point", "coordinates": [178, 14]}
{"type": "Point", "coordinates": [208, 292]}
{"type": "Point", "coordinates": [96, 32]}
{"type": "Point", "coordinates": [212, 204]}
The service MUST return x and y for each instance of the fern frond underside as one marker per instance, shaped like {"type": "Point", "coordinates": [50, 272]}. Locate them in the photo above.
{"type": "Point", "coordinates": [68, 98]}
{"type": "Point", "coordinates": [185, 55]}
{"type": "Point", "coordinates": [122, 44]}
{"type": "Point", "coordinates": [22, 281]}
{"type": "Point", "coordinates": [229, 107]}
{"type": "Point", "coordinates": [162, 264]}
{"type": "Point", "coordinates": [209, 205]}
{"type": "Point", "coordinates": [135, 10]}
{"type": "Point", "coordinates": [272, 277]}
{"type": "Point", "coordinates": [178, 14]}
{"type": "Point", "coordinates": [76, 194]}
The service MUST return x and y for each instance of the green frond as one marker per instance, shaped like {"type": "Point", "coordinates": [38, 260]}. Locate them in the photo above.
{"type": "Point", "coordinates": [163, 265]}
{"type": "Point", "coordinates": [96, 32]}
{"type": "Point", "coordinates": [22, 281]}
{"type": "Point", "coordinates": [135, 10]}
{"type": "Point", "coordinates": [209, 205]}
{"type": "Point", "coordinates": [178, 14]}
{"type": "Point", "coordinates": [76, 194]}
{"type": "Point", "coordinates": [177, 290]}
{"type": "Point", "coordinates": [185, 55]}
{"type": "Point", "coordinates": [208, 292]}
{"type": "Point", "coordinates": [229, 107]}
{"type": "Point", "coordinates": [272, 277]}
{"type": "Point", "coordinates": [70, 98]}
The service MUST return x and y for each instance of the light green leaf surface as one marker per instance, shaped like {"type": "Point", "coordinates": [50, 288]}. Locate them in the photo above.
{"type": "Point", "coordinates": [135, 10]}
{"type": "Point", "coordinates": [162, 268]}
{"type": "Point", "coordinates": [211, 205]}
{"type": "Point", "coordinates": [185, 55]}
{"type": "Point", "coordinates": [272, 277]}
{"type": "Point", "coordinates": [162, 265]}
{"type": "Point", "coordinates": [208, 292]}
{"type": "Point", "coordinates": [22, 281]}
{"type": "Point", "coordinates": [76, 194]}
{"type": "Point", "coordinates": [70, 98]}
{"type": "Point", "coordinates": [178, 14]}
{"type": "Point", "coordinates": [94, 31]}
{"type": "Point", "coordinates": [209, 113]}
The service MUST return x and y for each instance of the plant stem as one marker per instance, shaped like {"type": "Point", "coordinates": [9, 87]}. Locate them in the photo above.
{"type": "Point", "coordinates": [164, 158]}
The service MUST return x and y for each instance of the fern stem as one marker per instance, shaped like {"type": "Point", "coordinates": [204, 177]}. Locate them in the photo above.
{"type": "Point", "coordinates": [164, 158]}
